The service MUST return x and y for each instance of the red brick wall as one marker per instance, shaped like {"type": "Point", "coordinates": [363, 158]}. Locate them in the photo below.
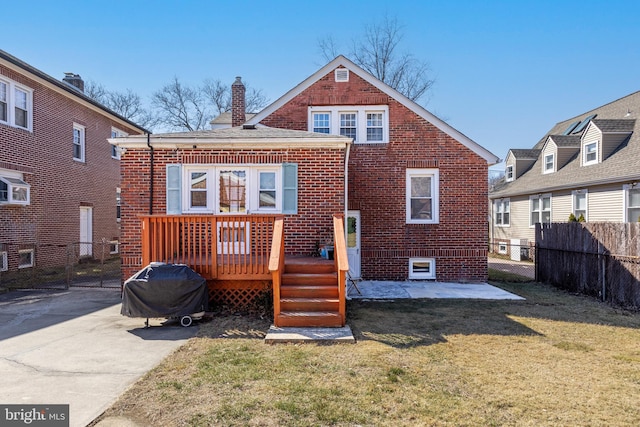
{"type": "Point", "coordinates": [377, 187]}
{"type": "Point", "coordinates": [59, 185]}
{"type": "Point", "coordinates": [320, 192]}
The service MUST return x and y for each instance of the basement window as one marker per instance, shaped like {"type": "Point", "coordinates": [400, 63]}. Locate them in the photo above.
{"type": "Point", "coordinates": [26, 258]}
{"type": "Point", "coordinates": [14, 191]}
{"type": "Point", "coordinates": [422, 268]}
{"type": "Point", "coordinates": [4, 265]}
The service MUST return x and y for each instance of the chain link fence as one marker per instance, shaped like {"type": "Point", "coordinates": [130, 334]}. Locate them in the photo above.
{"type": "Point", "coordinates": [513, 259]}
{"type": "Point", "coordinates": [79, 264]}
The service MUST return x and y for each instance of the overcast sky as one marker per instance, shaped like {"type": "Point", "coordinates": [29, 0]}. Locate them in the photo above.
{"type": "Point", "coordinates": [505, 71]}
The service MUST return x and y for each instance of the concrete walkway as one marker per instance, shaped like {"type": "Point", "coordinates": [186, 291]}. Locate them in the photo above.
{"type": "Point", "coordinates": [73, 347]}
{"type": "Point", "coordinates": [423, 289]}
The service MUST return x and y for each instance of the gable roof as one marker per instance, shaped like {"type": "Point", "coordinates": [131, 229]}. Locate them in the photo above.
{"type": "Point", "coordinates": [66, 89]}
{"type": "Point", "coordinates": [341, 61]}
{"type": "Point", "coordinates": [521, 154]}
{"type": "Point", "coordinates": [565, 140]}
{"type": "Point", "coordinates": [622, 165]}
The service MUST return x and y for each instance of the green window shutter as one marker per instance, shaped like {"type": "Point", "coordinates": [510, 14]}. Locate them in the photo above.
{"type": "Point", "coordinates": [174, 189]}
{"type": "Point", "coordinates": [290, 188]}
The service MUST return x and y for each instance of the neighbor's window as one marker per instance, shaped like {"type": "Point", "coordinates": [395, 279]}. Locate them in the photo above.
{"type": "Point", "coordinates": [26, 258]}
{"type": "Point", "coordinates": [590, 153]}
{"type": "Point", "coordinates": [579, 203]}
{"type": "Point", "coordinates": [509, 173]}
{"type": "Point", "coordinates": [422, 268]}
{"type": "Point", "coordinates": [503, 248]}
{"type": "Point", "coordinates": [540, 207]}
{"type": "Point", "coordinates": [548, 163]}
{"type": "Point", "coordinates": [118, 204]}
{"type": "Point", "coordinates": [503, 210]}
{"type": "Point", "coordinates": [422, 196]}
{"type": "Point", "coordinates": [16, 104]}
{"type": "Point", "coordinates": [4, 265]}
{"type": "Point", "coordinates": [365, 124]}
{"type": "Point", "coordinates": [14, 191]}
{"type": "Point", "coordinates": [633, 203]}
{"type": "Point", "coordinates": [78, 142]}
{"type": "Point", "coordinates": [115, 151]}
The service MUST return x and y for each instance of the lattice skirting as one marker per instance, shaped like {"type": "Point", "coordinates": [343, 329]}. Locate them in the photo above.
{"type": "Point", "coordinates": [238, 295]}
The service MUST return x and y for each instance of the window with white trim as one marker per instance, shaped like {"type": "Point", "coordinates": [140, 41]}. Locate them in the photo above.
{"type": "Point", "coordinates": [26, 258]}
{"type": "Point", "coordinates": [16, 104]}
{"type": "Point", "coordinates": [230, 189]}
{"type": "Point", "coordinates": [503, 248]}
{"type": "Point", "coordinates": [78, 142]}
{"type": "Point", "coordinates": [549, 161]}
{"type": "Point", "coordinates": [503, 211]}
{"type": "Point", "coordinates": [509, 173]}
{"type": "Point", "coordinates": [632, 203]}
{"type": "Point", "coordinates": [590, 153]}
{"type": "Point", "coordinates": [365, 124]}
{"type": "Point", "coordinates": [13, 190]}
{"type": "Point", "coordinates": [422, 196]}
{"type": "Point", "coordinates": [422, 268]}
{"type": "Point", "coordinates": [4, 264]}
{"type": "Point", "coordinates": [540, 209]}
{"type": "Point", "coordinates": [579, 202]}
{"type": "Point", "coordinates": [115, 151]}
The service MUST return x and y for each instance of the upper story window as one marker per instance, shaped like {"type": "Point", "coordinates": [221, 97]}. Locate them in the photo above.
{"type": "Point", "coordinates": [422, 196]}
{"type": "Point", "coordinates": [503, 213]}
{"type": "Point", "coordinates": [632, 203]}
{"type": "Point", "coordinates": [549, 161]}
{"type": "Point", "coordinates": [540, 209]}
{"type": "Point", "coordinates": [78, 142]}
{"type": "Point", "coordinates": [115, 151]}
{"type": "Point", "coordinates": [508, 173]}
{"type": "Point", "coordinates": [13, 190]}
{"type": "Point", "coordinates": [365, 124]}
{"type": "Point", "coordinates": [579, 200]}
{"type": "Point", "coordinates": [590, 153]}
{"type": "Point", "coordinates": [16, 104]}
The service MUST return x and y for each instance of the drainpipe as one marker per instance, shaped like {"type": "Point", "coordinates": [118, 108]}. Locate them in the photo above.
{"type": "Point", "coordinates": [150, 175]}
{"type": "Point", "coordinates": [346, 187]}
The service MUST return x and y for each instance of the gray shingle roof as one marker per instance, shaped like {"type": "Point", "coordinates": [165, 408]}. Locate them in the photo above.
{"type": "Point", "coordinates": [566, 140]}
{"type": "Point", "coordinates": [621, 166]}
{"type": "Point", "coordinates": [525, 153]}
{"type": "Point", "coordinates": [246, 132]}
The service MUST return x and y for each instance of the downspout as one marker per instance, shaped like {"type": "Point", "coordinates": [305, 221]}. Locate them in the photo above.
{"type": "Point", "coordinates": [346, 188]}
{"type": "Point", "coordinates": [150, 174]}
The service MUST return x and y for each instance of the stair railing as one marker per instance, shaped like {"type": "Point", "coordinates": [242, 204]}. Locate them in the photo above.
{"type": "Point", "coordinates": [276, 263]}
{"type": "Point", "coordinates": [341, 263]}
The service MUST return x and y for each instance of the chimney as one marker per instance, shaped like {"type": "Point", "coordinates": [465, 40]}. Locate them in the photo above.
{"type": "Point", "coordinates": [74, 80]}
{"type": "Point", "coordinates": [237, 103]}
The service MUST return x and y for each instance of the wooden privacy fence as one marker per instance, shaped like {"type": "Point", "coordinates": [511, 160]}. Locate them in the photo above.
{"type": "Point", "coordinates": [601, 259]}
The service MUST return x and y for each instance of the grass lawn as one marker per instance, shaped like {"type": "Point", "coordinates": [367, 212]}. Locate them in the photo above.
{"type": "Point", "coordinates": [555, 359]}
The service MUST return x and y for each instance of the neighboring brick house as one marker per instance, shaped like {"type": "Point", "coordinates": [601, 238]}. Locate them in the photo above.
{"type": "Point", "coordinates": [59, 176]}
{"type": "Point", "coordinates": [413, 189]}
{"type": "Point", "coordinates": [586, 166]}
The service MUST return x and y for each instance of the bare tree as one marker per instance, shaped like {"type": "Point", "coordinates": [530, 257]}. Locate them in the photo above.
{"type": "Point", "coordinates": [377, 53]}
{"type": "Point", "coordinates": [181, 107]}
{"type": "Point", "coordinates": [219, 95]}
{"type": "Point", "coordinates": [128, 104]}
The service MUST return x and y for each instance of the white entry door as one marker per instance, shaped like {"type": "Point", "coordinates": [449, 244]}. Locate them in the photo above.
{"type": "Point", "coordinates": [353, 243]}
{"type": "Point", "coordinates": [86, 231]}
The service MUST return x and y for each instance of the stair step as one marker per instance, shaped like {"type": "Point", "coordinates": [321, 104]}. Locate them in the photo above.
{"type": "Point", "coordinates": [326, 319]}
{"type": "Point", "coordinates": [309, 304]}
{"type": "Point", "coordinates": [308, 291]}
{"type": "Point", "coordinates": [310, 279]}
{"type": "Point", "coordinates": [308, 265]}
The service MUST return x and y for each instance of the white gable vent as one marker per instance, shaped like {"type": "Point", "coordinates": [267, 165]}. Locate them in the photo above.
{"type": "Point", "coordinates": [342, 75]}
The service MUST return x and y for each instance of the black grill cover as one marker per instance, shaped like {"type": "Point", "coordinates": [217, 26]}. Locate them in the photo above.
{"type": "Point", "coordinates": [164, 290]}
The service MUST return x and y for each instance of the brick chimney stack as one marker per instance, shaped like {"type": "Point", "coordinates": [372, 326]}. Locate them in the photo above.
{"type": "Point", "coordinates": [238, 107]}
{"type": "Point", "coordinates": [74, 80]}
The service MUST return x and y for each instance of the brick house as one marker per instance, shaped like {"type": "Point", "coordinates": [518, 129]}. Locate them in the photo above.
{"type": "Point", "coordinates": [59, 176]}
{"type": "Point", "coordinates": [413, 190]}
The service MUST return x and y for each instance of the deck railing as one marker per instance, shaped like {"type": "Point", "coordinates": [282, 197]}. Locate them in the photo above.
{"type": "Point", "coordinates": [276, 263]}
{"type": "Point", "coordinates": [341, 261]}
{"type": "Point", "coordinates": [216, 246]}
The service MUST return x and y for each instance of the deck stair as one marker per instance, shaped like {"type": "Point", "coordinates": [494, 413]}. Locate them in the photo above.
{"type": "Point", "coordinates": [309, 295]}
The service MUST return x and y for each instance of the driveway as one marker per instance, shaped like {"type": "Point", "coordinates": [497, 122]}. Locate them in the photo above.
{"type": "Point", "coordinates": [73, 347]}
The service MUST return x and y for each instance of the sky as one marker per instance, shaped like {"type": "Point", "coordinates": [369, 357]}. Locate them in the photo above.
{"type": "Point", "coordinates": [505, 71]}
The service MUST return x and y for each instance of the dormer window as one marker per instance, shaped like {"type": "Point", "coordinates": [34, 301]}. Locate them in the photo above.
{"type": "Point", "coordinates": [549, 161]}
{"type": "Point", "coordinates": [590, 155]}
{"type": "Point", "coordinates": [508, 173]}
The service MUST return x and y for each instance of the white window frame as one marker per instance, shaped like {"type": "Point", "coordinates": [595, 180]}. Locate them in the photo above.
{"type": "Point", "coordinates": [434, 174]}
{"type": "Point", "coordinates": [574, 208]}
{"type": "Point", "coordinates": [585, 160]}
{"type": "Point", "coordinates": [503, 248]}
{"type": "Point", "coordinates": [540, 198]}
{"type": "Point", "coordinates": [431, 274]}
{"type": "Point", "coordinates": [14, 181]}
{"type": "Point", "coordinates": [627, 188]}
{"type": "Point", "coordinates": [361, 112]}
{"type": "Point", "coordinates": [213, 187]}
{"type": "Point", "coordinates": [116, 133]}
{"type": "Point", "coordinates": [508, 173]}
{"type": "Point", "coordinates": [114, 247]}
{"type": "Point", "coordinates": [82, 137]}
{"type": "Point", "coordinates": [33, 258]}
{"type": "Point", "coordinates": [499, 218]}
{"type": "Point", "coordinates": [4, 261]}
{"type": "Point", "coordinates": [549, 163]}
{"type": "Point", "coordinates": [11, 88]}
